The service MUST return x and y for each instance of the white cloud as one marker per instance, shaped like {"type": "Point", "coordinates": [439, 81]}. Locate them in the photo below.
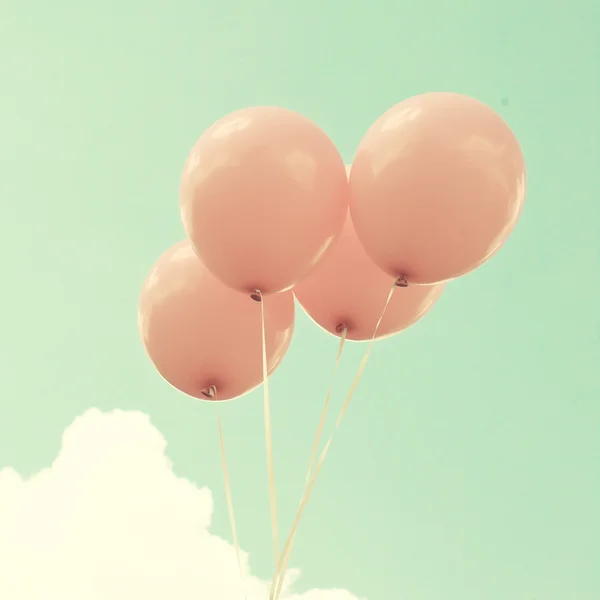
{"type": "Point", "coordinates": [110, 521]}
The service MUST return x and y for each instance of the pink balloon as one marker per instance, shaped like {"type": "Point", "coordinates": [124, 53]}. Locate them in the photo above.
{"type": "Point", "coordinates": [263, 195]}
{"type": "Point", "coordinates": [199, 333]}
{"type": "Point", "coordinates": [348, 288]}
{"type": "Point", "coordinates": [437, 186]}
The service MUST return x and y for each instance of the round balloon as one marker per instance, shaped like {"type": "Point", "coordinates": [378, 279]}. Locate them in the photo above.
{"type": "Point", "coordinates": [437, 186]}
{"type": "Point", "coordinates": [347, 289]}
{"type": "Point", "coordinates": [200, 333]}
{"type": "Point", "coordinates": [263, 195]}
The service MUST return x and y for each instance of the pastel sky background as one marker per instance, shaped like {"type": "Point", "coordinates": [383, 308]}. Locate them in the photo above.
{"type": "Point", "coordinates": [468, 466]}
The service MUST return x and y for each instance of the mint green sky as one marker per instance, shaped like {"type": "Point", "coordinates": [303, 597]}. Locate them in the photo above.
{"type": "Point", "coordinates": [469, 464]}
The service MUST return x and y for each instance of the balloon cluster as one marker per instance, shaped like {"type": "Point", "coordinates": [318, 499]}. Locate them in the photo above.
{"type": "Point", "coordinates": [270, 211]}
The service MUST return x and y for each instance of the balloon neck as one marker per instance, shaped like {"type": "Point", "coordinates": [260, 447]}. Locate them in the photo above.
{"type": "Point", "coordinates": [210, 393]}
{"type": "Point", "coordinates": [341, 328]}
{"type": "Point", "coordinates": [401, 281]}
{"type": "Point", "coordinates": [256, 295]}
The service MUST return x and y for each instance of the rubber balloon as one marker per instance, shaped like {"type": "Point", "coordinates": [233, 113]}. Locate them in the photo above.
{"type": "Point", "coordinates": [199, 333]}
{"type": "Point", "coordinates": [263, 195]}
{"type": "Point", "coordinates": [436, 188]}
{"type": "Point", "coordinates": [348, 289]}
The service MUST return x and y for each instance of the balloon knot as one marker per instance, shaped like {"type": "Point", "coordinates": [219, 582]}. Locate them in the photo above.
{"type": "Point", "coordinates": [401, 281]}
{"type": "Point", "coordinates": [256, 296]}
{"type": "Point", "coordinates": [341, 328]}
{"type": "Point", "coordinates": [209, 393]}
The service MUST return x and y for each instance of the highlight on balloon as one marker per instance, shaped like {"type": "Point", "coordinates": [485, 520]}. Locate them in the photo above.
{"type": "Point", "coordinates": [273, 216]}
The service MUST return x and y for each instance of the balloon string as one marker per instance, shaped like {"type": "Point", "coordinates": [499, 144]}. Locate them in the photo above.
{"type": "Point", "coordinates": [228, 495]}
{"type": "Point", "coordinates": [315, 448]}
{"type": "Point", "coordinates": [268, 432]}
{"type": "Point", "coordinates": [279, 577]}
{"type": "Point", "coordinates": [317, 440]}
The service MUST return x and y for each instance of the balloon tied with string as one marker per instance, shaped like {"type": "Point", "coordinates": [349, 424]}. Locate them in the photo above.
{"type": "Point", "coordinates": [435, 189]}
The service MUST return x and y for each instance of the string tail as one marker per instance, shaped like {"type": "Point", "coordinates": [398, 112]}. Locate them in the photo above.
{"type": "Point", "coordinates": [228, 495]}
{"type": "Point", "coordinates": [277, 582]}
{"type": "Point", "coordinates": [313, 455]}
{"type": "Point", "coordinates": [258, 297]}
{"type": "Point", "coordinates": [343, 330]}
{"type": "Point", "coordinates": [279, 577]}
